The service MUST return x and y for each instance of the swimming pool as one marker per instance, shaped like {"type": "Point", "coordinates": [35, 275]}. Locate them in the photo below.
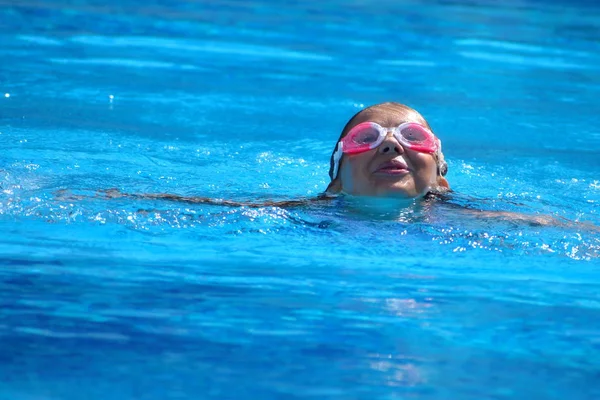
{"type": "Point", "coordinates": [136, 299]}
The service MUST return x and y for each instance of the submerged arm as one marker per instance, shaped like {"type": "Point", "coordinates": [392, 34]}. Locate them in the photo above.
{"type": "Point", "coordinates": [511, 216]}
{"type": "Point", "coordinates": [535, 220]}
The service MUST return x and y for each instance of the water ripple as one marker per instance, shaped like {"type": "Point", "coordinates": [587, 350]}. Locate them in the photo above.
{"type": "Point", "coordinates": [123, 62]}
{"type": "Point", "coordinates": [522, 47]}
{"type": "Point", "coordinates": [226, 48]}
{"type": "Point", "coordinates": [515, 59]}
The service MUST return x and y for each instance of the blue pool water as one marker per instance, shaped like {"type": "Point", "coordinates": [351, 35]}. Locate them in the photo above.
{"type": "Point", "coordinates": [151, 299]}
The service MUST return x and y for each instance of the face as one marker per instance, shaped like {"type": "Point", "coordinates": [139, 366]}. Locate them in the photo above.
{"type": "Point", "coordinates": [389, 170]}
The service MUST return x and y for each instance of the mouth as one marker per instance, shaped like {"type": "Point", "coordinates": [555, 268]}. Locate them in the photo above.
{"type": "Point", "coordinates": [392, 167]}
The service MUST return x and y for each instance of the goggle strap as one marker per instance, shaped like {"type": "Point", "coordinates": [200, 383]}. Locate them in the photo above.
{"type": "Point", "coordinates": [337, 156]}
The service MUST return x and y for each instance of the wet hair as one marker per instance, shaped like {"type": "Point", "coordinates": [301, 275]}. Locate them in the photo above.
{"type": "Point", "coordinates": [406, 113]}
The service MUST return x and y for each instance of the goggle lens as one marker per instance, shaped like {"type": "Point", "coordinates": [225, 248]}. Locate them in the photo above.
{"type": "Point", "coordinates": [414, 133]}
{"type": "Point", "coordinates": [365, 135]}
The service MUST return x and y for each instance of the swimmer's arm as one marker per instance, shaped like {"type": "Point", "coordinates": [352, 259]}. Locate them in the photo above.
{"type": "Point", "coordinates": [223, 202]}
{"type": "Point", "coordinates": [117, 194]}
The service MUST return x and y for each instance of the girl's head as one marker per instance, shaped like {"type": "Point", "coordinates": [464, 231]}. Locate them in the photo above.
{"type": "Point", "coordinates": [373, 157]}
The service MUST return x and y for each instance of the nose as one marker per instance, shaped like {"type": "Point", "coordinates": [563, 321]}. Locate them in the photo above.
{"type": "Point", "coordinates": [390, 145]}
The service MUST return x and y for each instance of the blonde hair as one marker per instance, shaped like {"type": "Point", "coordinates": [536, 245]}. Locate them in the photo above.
{"type": "Point", "coordinates": [406, 113]}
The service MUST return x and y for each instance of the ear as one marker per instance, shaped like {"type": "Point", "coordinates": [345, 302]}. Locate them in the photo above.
{"type": "Point", "coordinates": [334, 187]}
{"type": "Point", "coordinates": [441, 181]}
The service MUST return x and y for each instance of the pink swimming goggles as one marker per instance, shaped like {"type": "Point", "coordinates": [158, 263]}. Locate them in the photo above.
{"type": "Point", "coordinates": [368, 135]}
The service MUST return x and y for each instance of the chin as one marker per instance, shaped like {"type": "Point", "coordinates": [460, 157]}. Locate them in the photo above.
{"type": "Point", "coordinates": [401, 192]}
{"type": "Point", "coordinates": [397, 194]}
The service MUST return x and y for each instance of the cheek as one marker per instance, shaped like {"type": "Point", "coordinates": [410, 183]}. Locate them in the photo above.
{"type": "Point", "coordinates": [426, 167]}
{"type": "Point", "coordinates": [353, 172]}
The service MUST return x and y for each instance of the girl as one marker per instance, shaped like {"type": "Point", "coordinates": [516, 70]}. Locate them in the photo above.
{"type": "Point", "coordinates": [388, 150]}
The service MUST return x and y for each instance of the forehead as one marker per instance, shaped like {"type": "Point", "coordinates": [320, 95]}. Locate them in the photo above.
{"type": "Point", "coordinates": [385, 117]}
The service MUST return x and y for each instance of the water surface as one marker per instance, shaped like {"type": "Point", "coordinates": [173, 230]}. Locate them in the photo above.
{"type": "Point", "coordinates": [151, 299]}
